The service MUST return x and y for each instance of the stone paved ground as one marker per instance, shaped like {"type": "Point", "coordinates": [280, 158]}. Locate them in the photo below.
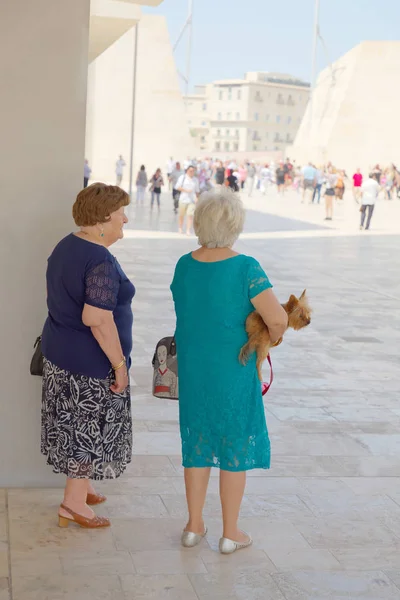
{"type": "Point", "coordinates": [326, 518]}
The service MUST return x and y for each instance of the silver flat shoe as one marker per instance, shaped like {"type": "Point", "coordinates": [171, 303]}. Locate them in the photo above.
{"type": "Point", "coordinates": [190, 539]}
{"type": "Point", "coordinates": [227, 546]}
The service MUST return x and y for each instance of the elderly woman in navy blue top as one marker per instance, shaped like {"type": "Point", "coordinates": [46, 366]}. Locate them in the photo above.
{"type": "Point", "coordinates": [86, 343]}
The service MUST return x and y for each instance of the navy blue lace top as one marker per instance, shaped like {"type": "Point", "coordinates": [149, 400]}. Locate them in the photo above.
{"type": "Point", "coordinates": [80, 272]}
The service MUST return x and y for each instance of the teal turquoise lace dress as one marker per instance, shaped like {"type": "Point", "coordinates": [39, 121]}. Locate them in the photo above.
{"type": "Point", "coordinates": [222, 419]}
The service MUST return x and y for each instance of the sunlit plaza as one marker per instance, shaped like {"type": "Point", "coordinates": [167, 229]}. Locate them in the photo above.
{"type": "Point", "coordinates": [103, 79]}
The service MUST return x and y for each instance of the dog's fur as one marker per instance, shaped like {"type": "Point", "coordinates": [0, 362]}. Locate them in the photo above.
{"type": "Point", "coordinates": [299, 313]}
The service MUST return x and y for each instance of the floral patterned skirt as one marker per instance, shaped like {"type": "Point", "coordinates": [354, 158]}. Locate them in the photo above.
{"type": "Point", "coordinates": [86, 428]}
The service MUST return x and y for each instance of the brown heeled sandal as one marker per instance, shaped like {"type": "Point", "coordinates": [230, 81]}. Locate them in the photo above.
{"type": "Point", "coordinates": [93, 499]}
{"type": "Point", "coordinates": [94, 523]}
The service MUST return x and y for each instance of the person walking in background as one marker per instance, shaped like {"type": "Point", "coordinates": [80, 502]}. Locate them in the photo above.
{"type": "Point", "coordinates": [173, 178]}
{"type": "Point", "coordinates": [86, 173]}
{"type": "Point", "coordinates": [280, 178]}
{"type": "Point", "coordinates": [119, 169]}
{"type": "Point", "coordinates": [340, 187]}
{"type": "Point", "coordinates": [219, 173]}
{"type": "Point", "coordinates": [231, 181]}
{"type": "Point", "coordinates": [156, 182]}
{"type": "Point", "coordinates": [308, 174]}
{"type": "Point", "coordinates": [141, 185]}
{"type": "Point", "coordinates": [265, 176]}
{"type": "Point", "coordinates": [188, 187]}
{"type": "Point", "coordinates": [357, 183]}
{"type": "Point", "coordinates": [251, 175]}
{"type": "Point", "coordinates": [170, 167]}
{"type": "Point", "coordinates": [86, 430]}
{"type": "Point", "coordinates": [331, 179]}
{"type": "Point", "coordinates": [221, 412]}
{"type": "Point", "coordinates": [242, 176]}
{"type": "Point", "coordinates": [369, 193]}
{"type": "Point", "coordinates": [319, 181]}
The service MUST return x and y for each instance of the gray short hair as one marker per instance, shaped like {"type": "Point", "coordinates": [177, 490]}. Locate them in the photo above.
{"type": "Point", "coordinates": [219, 218]}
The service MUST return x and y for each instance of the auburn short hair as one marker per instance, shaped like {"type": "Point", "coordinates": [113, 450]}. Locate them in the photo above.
{"type": "Point", "coordinates": [95, 203]}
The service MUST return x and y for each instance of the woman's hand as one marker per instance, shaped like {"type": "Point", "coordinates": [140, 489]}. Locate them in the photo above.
{"type": "Point", "coordinates": [121, 381]}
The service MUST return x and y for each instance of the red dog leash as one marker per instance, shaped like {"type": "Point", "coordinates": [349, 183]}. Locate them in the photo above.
{"type": "Point", "coordinates": [265, 386]}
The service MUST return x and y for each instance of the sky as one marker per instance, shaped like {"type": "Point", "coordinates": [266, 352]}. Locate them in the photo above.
{"type": "Point", "coordinates": [231, 37]}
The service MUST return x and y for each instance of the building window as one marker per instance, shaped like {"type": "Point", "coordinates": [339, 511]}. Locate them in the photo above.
{"type": "Point", "coordinates": [276, 138]}
{"type": "Point", "coordinates": [289, 120]}
{"type": "Point", "coordinates": [256, 116]}
{"type": "Point", "coordinates": [226, 146]}
{"type": "Point", "coordinates": [280, 99]}
{"type": "Point", "coordinates": [203, 123]}
{"type": "Point", "coordinates": [236, 132]}
{"type": "Point", "coordinates": [290, 101]}
{"type": "Point", "coordinates": [203, 139]}
{"type": "Point", "coordinates": [236, 146]}
{"type": "Point", "coordinates": [237, 116]}
{"type": "Point", "coordinates": [219, 116]}
{"type": "Point", "coordinates": [218, 146]}
{"type": "Point", "coordinates": [227, 132]}
{"type": "Point", "coordinates": [278, 118]}
{"type": "Point", "coordinates": [255, 147]}
{"type": "Point", "coordinates": [204, 106]}
{"type": "Point", "coordinates": [228, 116]}
{"type": "Point", "coordinates": [218, 133]}
{"type": "Point", "coordinates": [288, 137]}
{"type": "Point", "coordinates": [258, 97]}
{"type": "Point", "coordinates": [230, 93]}
{"type": "Point", "coordinates": [221, 95]}
{"type": "Point", "coordinates": [239, 94]}
{"type": "Point", "coordinates": [276, 148]}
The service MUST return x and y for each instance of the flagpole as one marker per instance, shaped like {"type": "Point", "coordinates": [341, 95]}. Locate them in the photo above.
{"type": "Point", "coordinates": [314, 58]}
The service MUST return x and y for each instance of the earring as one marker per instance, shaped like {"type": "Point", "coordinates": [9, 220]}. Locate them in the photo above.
{"type": "Point", "coordinates": [102, 232]}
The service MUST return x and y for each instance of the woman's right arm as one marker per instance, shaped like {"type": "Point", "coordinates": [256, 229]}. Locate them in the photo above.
{"type": "Point", "coordinates": [272, 313]}
{"type": "Point", "coordinates": [104, 330]}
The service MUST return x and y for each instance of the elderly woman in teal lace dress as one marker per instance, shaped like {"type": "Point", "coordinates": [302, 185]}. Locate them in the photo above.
{"type": "Point", "coordinates": [222, 419]}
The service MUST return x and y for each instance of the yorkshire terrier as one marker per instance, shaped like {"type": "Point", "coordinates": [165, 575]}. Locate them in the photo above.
{"type": "Point", "coordinates": [299, 313]}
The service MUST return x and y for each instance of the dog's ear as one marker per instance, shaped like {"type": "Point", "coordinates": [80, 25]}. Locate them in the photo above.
{"type": "Point", "coordinates": [303, 295]}
{"type": "Point", "coordinates": [291, 303]}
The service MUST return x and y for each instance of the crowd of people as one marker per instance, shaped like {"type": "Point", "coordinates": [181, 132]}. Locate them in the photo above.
{"type": "Point", "coordinates": [187, 180]}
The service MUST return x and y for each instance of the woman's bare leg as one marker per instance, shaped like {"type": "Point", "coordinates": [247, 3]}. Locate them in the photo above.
{"type": "Point", "coordinates": [231, 489]}
{"type": "Point", "coordinates": [189, 223]}
{"type": "Point", "coordinates": [75, 495]}
{"type": "Point", "coordinates": [196, 482]}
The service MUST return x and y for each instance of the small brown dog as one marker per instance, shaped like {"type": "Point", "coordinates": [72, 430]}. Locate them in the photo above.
{"type": "Point", "coordinates": [299, 313]}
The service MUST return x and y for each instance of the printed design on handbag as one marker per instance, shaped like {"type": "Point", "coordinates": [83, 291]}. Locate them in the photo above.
{"type": "Point", "coordinates": [165, 378]}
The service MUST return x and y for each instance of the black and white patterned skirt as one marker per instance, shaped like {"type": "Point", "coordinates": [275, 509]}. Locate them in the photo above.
{"type": "Point", "coordinates": [86, 428]}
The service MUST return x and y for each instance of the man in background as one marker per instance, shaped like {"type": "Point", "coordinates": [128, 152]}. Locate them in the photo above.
{"type": "Point", "coordinates": [86, 173]}
{"type": "Point", "coordinates": [369, 193]}
{"type": "Point", "coordinates": [357, 183]}
{"type": "Point", "coordinates": [119, 169]}
{"type": "Point", "coordinates": [173, 180]}
{"type": "Point", "coordinates": [170, 166]}
{"type": "Point", "coordinates": [308, 174]}
{"type": "Point", "coordinates": [251, 174]}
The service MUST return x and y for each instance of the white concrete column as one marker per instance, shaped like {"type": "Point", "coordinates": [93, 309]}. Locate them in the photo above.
{"type": "Point", "coordinates": [43, 72]}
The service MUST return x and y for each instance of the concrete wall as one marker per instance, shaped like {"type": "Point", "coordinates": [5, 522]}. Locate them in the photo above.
{"type": "Point", "coordinates": [355, 110]}
{"type": "Point", "coordinates": [43, 60]}
{"type": "Point", "coordinates": [161, 129]}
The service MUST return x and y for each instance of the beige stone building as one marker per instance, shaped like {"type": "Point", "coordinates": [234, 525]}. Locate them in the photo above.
{"type": "Point", "coordinates": [260, 113]}
{"type": "Point", "coordinates": [354, 118]}
{"type": "Point", "coordinates": [160, 121]}
{"type": "Point", "coordinates": [197, 114]}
